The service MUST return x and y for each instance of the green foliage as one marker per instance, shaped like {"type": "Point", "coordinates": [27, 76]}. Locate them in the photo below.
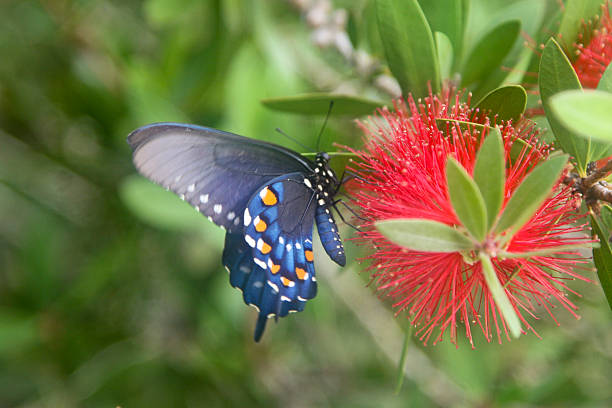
{"type": "Point", "coordinates": [318, 104]}
{"type": "Point", "coordinates": [556, 75]}
{"type": "Point", "coordinates": [585, 113]}
{"type": "Point", "coordinates": [530, 194]}
{"type": "Point", "coordinates": [409, 46]}
{"type": "Point", "coordinates": [467, 201]}
{"type": "Point", "coordinates": [507, 103]}
{"type": "Point", "coordinates": [490, 51]}
{"type": "Point", "coordinates": [490, 174]}
{"type": "Point", "coordinates": [499, 296]}
{"type": "Point", "coordinates": [424, 235]}
{"type": "Point", "coordinates": [602, 256]}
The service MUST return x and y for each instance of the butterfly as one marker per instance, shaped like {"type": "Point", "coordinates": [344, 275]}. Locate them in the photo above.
{"type": "Point", "coordinates": [265, 196]}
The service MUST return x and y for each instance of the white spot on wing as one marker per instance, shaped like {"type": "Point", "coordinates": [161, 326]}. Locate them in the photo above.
{"type": "Point", "coordinates": [245, 269]}
{"type": "Point", "coordinates": [204, 198]}
{"type": "Point", "coordinates": [308, 183]}
{"type": "Point", "coordinates": [247, 217]}
{"type": "Point", "coordinates": [249, 240]}
{"type": "Point", "coordinates": [258, 284]}
{"type": "Point", "coordinates": [260, 244]}
{"type": "Point", "coordinates": [191, 188]}
{"type": "Point", "coordinates": [218, 208]}
{"type": "Point", "coordinates": [263, 192]}
{"type": "Point", "coordinates": [231, 215]}
{"type": "Point", "coordinates": [260, 263]}
{"type": "Point", "coordinates": [298, 246]}
{"type": "Point", "coordinates": [281, 240]}
{"type": "Point", "coordinates": [321, 202]}
{"type": "Point", "coordinates": [273, 286]}
{"type": "Point", "coordinates": [301, 299]}
{"type": "Point", "coordinates": [285, 299]}
{"type": "Point", "coordinates": [288, 247]}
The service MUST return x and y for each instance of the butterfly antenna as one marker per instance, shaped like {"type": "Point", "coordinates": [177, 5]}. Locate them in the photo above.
{"type": "Point", "coordinates": [293, 139]}
{"type": "Point", "coordinates": [331, 105]}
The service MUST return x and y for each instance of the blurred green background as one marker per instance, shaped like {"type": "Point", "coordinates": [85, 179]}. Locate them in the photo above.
{"type": "Point", "coordinates": [112, 291]}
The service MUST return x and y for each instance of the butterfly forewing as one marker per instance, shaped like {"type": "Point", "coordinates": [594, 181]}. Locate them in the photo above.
{"type": "Point", "coordinates": [216, 172]}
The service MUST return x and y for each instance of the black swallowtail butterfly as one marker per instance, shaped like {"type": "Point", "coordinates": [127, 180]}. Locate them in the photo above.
{"type": "Point", "coordinates": [265, 196]}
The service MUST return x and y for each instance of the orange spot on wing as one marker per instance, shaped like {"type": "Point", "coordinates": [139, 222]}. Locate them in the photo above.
{"type": "Point", "coordinates": [268, 197]}
{"type": "Point", "coordinates": [309, 255]}
{"type": "Point", "coordinates": [287, 282]}
{"type": "Point", "coordinates": [265, 248]}
{"type": "Point", "coordinates": [274, 268]}
{"type": "Point", "coordinates": [260, 225]}
{"type": "Point", "coordinates": [301, 273]}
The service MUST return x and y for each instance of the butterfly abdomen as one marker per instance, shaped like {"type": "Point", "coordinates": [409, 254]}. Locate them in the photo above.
{"type": "Point", "coordinates": [328, 232]}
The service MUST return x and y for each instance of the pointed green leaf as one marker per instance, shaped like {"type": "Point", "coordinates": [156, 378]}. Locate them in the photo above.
{"type": "Point", "coordinates": [499, 296]}
{"type": "Point", "coordinates": [424, 235]}
{"type": "Point", "coordinates": [318, 104]}
{"type": "Point", "coordinates": [409, 46]}
{"type": "Point", "coordinates": [605, 83]}
{"type": "Point", "coordinates": [490, 174]}
{"type": "Point", "coordinates": [585, 113]}
{"type": "Point", "coordinates": [530, 194]}
{"type": "Point", "coordinates": [448, 17]}
{"type": "Point", "coordinates": [602, 149]}
{"type": "Point", "coordinates": [466, 199]}
{"type": "Point", "coordinates": [490, 51]}
{"type": "Point", "coordinates": [507, 102]}
{"type": "Point", "coordinates": [544, 252]}
{"type": "Point", "coordinates": [556, 75]}
{"type": "Point", "coordinates": [602, 257]}
{"type": "Point", "coordinates": [575, 14]}
{"type": "Point", "coordinates": [445, 54]}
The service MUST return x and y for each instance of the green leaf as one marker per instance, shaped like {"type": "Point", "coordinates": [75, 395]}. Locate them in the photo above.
{"type": "Point", "coordinates": [409, 46]}
{"type": "Point", "coordinates": [576, 13]}
{"type": "Point", "coordinates": [448, 17]}
{"type": "Point", "coordinates": [556, 75]}
{"type": "Point", "coordinates": [318, 104]}
{"type": "Point", "coordinates": [499, 296]}
{"type": "Point", "coordinates": [424, 235]}
{"type": "Point", "coordinates": [403, 358]}
{"type": "Point", "coordinates": [490, 51]}
{"type": "Point", "coordinates": [545, 251]}
{"type": "Point", "coordinates": [490, 174]}
{"type": "Point", "coordinates": [605, 83]}
{"type": "Point", "coordinates": [445, 54]}
{"type": "Point", "coordinates": [530, 194]}
{"type": "Point", "coordinates": [466, 199]}
{"type": "Point", "coordinates": [507, 102]}
{"type": "Point", "coordinates": [586, 113]}
{"type": "Point", "coordinates": [602, 258]}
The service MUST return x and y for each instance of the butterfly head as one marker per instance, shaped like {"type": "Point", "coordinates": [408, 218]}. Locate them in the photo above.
{"type": "Point", "coordinates": [324, 179]}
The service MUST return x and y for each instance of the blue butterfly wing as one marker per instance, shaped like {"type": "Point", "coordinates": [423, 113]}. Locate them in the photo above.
{"type": "Point", "coordinates": [272, 262]}
{"type": "Point", "coordinates": [216, 172]}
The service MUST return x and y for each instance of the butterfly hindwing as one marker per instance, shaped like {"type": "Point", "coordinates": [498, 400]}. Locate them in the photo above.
{"type": "Point", "coordinates": [272, 262]}
{"type": "Point", "coordinates": [216, 172]}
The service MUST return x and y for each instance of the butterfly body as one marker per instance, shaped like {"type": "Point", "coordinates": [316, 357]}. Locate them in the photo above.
{"type": "Point", "coordinates": [265, 196]}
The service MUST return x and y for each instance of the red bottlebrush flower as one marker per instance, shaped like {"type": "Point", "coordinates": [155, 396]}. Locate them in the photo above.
{"type": "Point", "coordinates": [594, 57]}
{"type": "Point", "coordinates": [401, 174]}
